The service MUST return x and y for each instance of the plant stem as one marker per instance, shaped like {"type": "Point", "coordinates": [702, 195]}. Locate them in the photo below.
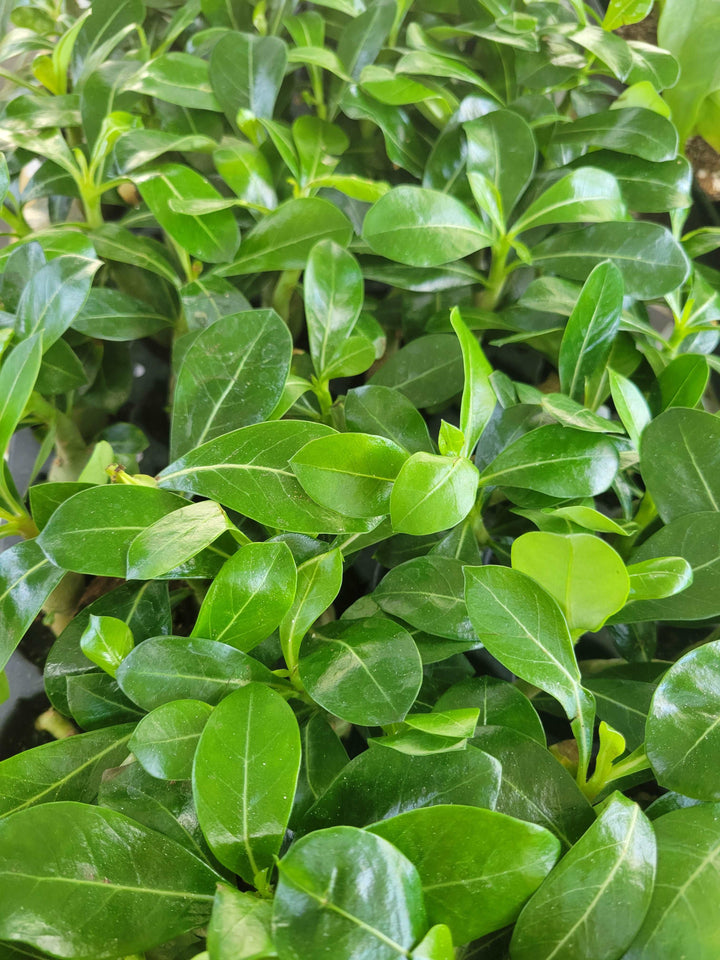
{"type": "Point", "coordinates": [490, 296]}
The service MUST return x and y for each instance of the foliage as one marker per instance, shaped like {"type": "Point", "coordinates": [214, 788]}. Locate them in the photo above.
{"type": "Point", "coordinates": [437, 481]}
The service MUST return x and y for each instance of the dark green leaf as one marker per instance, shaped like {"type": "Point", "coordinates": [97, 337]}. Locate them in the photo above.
{"type": "Point", "coordinates": [249, 751]}
{"type": "Point", "coordinates": [113, 315]}
{"type": "Point", "coordinates": [635, 130]}
{"type": "Point", "coordinates": [500, 704]}
{"type": "Point", "coordinates": [502, 134]}
{"type": "Point", "coordinates": [179, 78]}
{"type": "Point", "coordinates": [427, 371]}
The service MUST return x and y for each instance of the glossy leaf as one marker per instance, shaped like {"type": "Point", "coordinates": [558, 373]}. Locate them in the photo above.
{"type": "Point", "coordinates": [502, 133]}
{"type": "Point", "coordinates": [477, 867]}
{"type": "Point", "coordinates": [682, 734]}
{"type": "Point", "coordinates": [686, 881]}
{"type": "Point", "coordinates": [54, 296]}
{"type": "Point", "coordinates": [318, 900]}
{"type": "Point", "coordinates": [425, 371]}
{"type": "Point", "coordinates": [249, 597]}
{"type": "Point", "coordinates": [591, 329]}
{"type": "Point", "coordinates": [67, 769]}
{"type": "Point", "coordinates": [524, 628]}
{"type": "Point", "coordinates": [422, 228]}
{"type": "Point", "coordinates": [124, 865]}
{"type": "Point", "coordinates": [239, 927]}
{"type": "Point", "coordinates": [478, 401]}
{"type": "Point", "coordinates": [107, 641]}
{"type": "Point", "coordinates": [250, 747]}
{"type": "Point", "coordinates": [164, 669]}
{"type": "Point", "coordinates": [319, 579]}
{"type": "Point", "coordinates": [246, 72]}
{"type": "Point", "coordinates": [364, 671]}
{"type": "Point", "coordinates": [575, 911]}
{"type": "Point", "coordinates": [499, 704]}
{"type": "Point", "coordinates": [248, 470]}
{"type": "Point", "coordinates": [432, 493]}
{"type": "Point", "coordinates": [637, 131]}
{"type": "Point", "coordinates": [171, 541]}
{"type": "Point", "coordinates": [560, 461]}
{"type": "Point", "coordinates": [232, 375]}
{"type": "Point", "coordinates": [333, 295]}
{"type": "Point", "coordinates": [179, 78]}
{"type": "Point", "coordinates": [92, 531]}
{"type": "Point", "coordinates": [352, 472]}
{"type": "Point", "coordinates": [165, 740]}
{"type": "Point", "coordinates": [585, 195]}
{"type": "Point", "coordinates": [662, 577]}
{"type": "Point", "coordinates": [386, 412]}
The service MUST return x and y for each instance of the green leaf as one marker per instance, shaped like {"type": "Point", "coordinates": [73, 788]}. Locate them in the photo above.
{"type": "Point", "coordinates": [683, 381]}
{"type": "Point", "coordinates": [67, 769]}
{"type": "Point", "coordinates": [662, 577]}
{"type": "Point", "coordinates": [607, 47]}
{"type": "Point", "coordinates": [432, 493]}
{"type": "Point", "coordinates": [214, 237]}
{"type": "Point", "coordinates": [427, 64]}
{"type": "Point", "coordinates": [249, 751]}
{"type": "Point", "coordinates": [647, 187]}
{"type": "Point", "coordinates": [232, 375]}
{"type": "Point", "coordinates": [429, 593]}
{"type": "Point", "coordinates": [179, 78]}
{"type": "Point", "coordinates": [239, 927]}
{"type": "Point", "coordinates": [591, 329]}
{"type": "Point", "coordinates": [682, 727]}
{"type": "Point", "coordinates": [246, 72]}
{"type": "Point", "coordinates": [363, 37]}
{"type": "Point", "coordinates": [137, 147]}
{"type": "Point", "coordinates": [95, 700]}
{"type": "Point", "coordinates": [387, 413]}
{"type": "Point", "coordinates": [650, 260]}
{"type": "Point", "coordinates": [499, 702]}
{"type": "Point", "coordinates": [365, 671]}
{"type": "Point", "coordinates": [131, 890]}
{"type": "Point", "coordinates": [107, 641]}
{"type": "Point", "coordinates": [694, 538]}
{"type": "Point", "coordinates": [630, 404]}
{"type": "Point", "coordinates": [524, 628]}
{"type": "Point", "coordinates": [165, 740]}
{"type": "Point", "coordinates": [333, 295]}
{"type": "Point", "coordinates": [640, 132]}
{"type": "Point", "coordinates": [249, 597]}
{"type": "Point", "coordinates": [114, 242]}
{"type": "Point", "coordinates": [584, 575]}
{"type": "Point", "coordinates": [382, 783]}
{"type": "Point", "coordinates": [27, 579]}
{"type": "Point", "coordinates": [174, 539]}
{"type": "Point", "coordinates": [319, 579]}
{"type": "Point", "coordinates": [18, 374]}
{"type": "Point", "coordinates": [164, 669]}
{"type": "Point", "coordinates": [93, 530]}
{"type": "Point", "coordinates": [575, 911]}
{"type": "Point", "coordinates": [248, 470]}
{"type": "Point", "coordinates": [318, 901]}
{"type": "Point", "coordinates": [679, 459]}
{"type": "Point", "coordinates": [585, 195]}
{"type": "Point", "coordinates": [162, 805]}
{"type": "Point", "coordinates": [246, 171]}
{"type": "Point", "coordinates": [422, 228]}
{"type": "Point", "coordinates": [478, 400]}
{"type": "Point", "coordinates": [559, 461]}
{"type": "Point", "coordinates": [502, 134]}
{"type": "Point", "coordinates": [54, 296]}
{"type": "Point", "coordinates": [477, 867]}
{"type": "Point", "coordinates": [688, 843]}
{"type": "Point", "coordinates": [283, 239]}
{"type": "Point", "coordinates": [437, 945]}
{"type": "Point", "coordinates": [535, 787]}
{"type": "Point", "coordinates": [349, 472]}
{"type": "Point", "coordinates": [426, 371]}
{"type": "Point", "coordinates": [620, 13]}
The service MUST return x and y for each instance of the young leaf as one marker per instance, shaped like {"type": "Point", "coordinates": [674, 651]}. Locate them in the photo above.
{"type": "Point", "coordinates": [631, 406]}
{"type": "Point", "coordinates": [574, 913]}
{"type": "Point", "coordinates": [585, 195]}
{"type": "Point", "coordinates": [318, 901]}
{"type": "Point", "coordinates": [432, 493]}
{"type": "Point", "coordinates": [319, 579]}
{"type": "Point", "coordinates": [165, 740]}
{"type": "Point", "coordinates": [107, 641]}
{"type": "Point", "coordinates": [232, 375]}
{"type": "Point", "coordinates": [499, 703]}
{"type": "Point", "coordinates": [249, 597]}
{"type": "Point", "coordinates": [352, 473]}
{"type": "Point", "coordinates": [585, 576]}
{"type": "Point", "coordinates": [422, 228]}
{"type": "Point", "coordinates": [523, 627]}
{"type": "Point", "coordinates": [239, 927]}
{"type": "Point", "coordinates": [477, 867]}
{"type": "Point", "coordinates": [658, 578]}
{"type": "Point", "coordinates": [478, 400]}
{"type": "Point", "coordinates": [250, 748]}
{"type": "Point", "coordinates": [682, 727]}
{"type": "Point", "coordinates": [364, 671]}
{"type": "Point", "coordinates": [591, 329]}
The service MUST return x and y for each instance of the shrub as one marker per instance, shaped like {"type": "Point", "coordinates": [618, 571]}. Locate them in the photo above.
{"type": "Point", "coordinates": [438, 483]}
